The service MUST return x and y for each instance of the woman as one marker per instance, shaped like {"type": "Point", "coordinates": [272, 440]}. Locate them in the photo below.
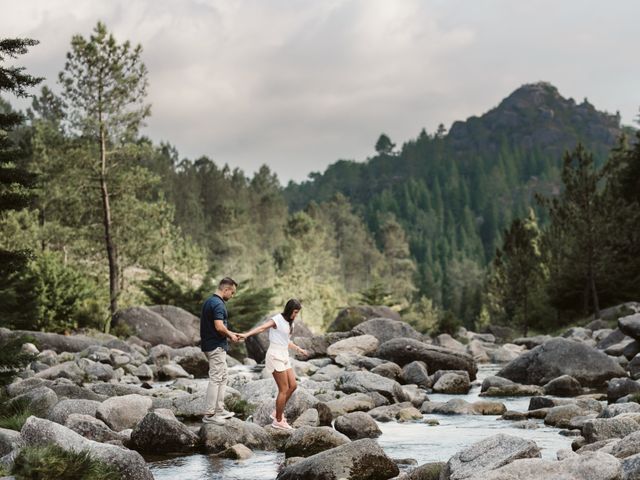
{"type": "Point", "coordinates": [277, 358]}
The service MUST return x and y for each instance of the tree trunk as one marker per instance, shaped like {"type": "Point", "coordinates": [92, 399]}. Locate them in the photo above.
{"type": "Point", "coordinates": [594, 294]}
{"type": "Point", "coordinates": [112, 253]}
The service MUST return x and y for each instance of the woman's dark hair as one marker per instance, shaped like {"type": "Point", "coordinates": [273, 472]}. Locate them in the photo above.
{"type": "Point", "coordinates": [291, 305]}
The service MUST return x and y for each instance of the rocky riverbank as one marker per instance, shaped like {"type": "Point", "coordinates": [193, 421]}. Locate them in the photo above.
{"type": "Point", "coordinates": [125, 400]}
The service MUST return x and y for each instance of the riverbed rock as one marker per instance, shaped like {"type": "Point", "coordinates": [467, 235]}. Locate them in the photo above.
{"type": "Point", "coordinates": [626, 446]}
{"type": "Point", "coordinates": [236, 452]}
{"type": "Point", "coordinates": [307, 441]}
{"type": "Point", "coordinates": [390, 370]}
{"type": "Point", "coordinates": [355, 402]}
{"type": "Point", "coordinates": [217, 438]}
{"type": "Point", "coordinates": [350, 317]}
{"type": "Point", "coordinates": [357, 425]}
{"type": "Point", "coordinates": [151, 327]}
{"type": "Point", "coordinates": [357, 460]}
{"type": "Point", "coordinates": [384, 329]}
{"type": "Point", "coordinates": [316, 346]}
{"type": "Point", "coordinates": [54, 341]}
{"type": "Point", "coordinates": [96, 371]}
{"type": "Point", "coordinates": [406, 350]}
{"type": "Point", "coordinates": [563, 386]}
{"type": "Point", "coordinates": [91, 428]}
{"type": "Point", "coordinates": [620, 387]}
{"type": "Point", "coordinates": [66, 407]}
{"type": "Point", "coordinates": [559, 356]}
{"type": "Point", "coordinates": [40, 432]}
{"type": "Point", "coordinates": [171, 371]}
{"type": "Point", "coordinates": [193, 361]}
{"type": "Point", "coordinates": [361, 345]}
{"type": "Point", "coordinates": [388, 413]}
{"type": "Point", "coordinates": [532, 342]}
{"type": "Point", "coordinates": [124, 412]}
{"type": "Point", "coordinates": [364, 382]}
{"type": "Point", "coordinates": [452, 383]}
{"type": "Point", "coordinates": [616, 409]}
{"type": "Point", "coordinates": [9, 440]}
{"type": "Point", "coordinates": [69, 369]}
{"type": "Point", "coordinates": [458, 406]}
{"type": "Point", "coordinates": [310, 418]}
{"type": "Point", "coordinates": [489, 454]}
{"type": "Point", "coordinates": [589, 466]}
{"type": "Point", "coordinates": [39, 401]}
{"type": "Point", "coordinates": [560, 416]}
{"type": "Point", "coordinates": [355, 361]}
{"type": "Point", "coordinates": [416, 372]}
{"type": "Point", "coordinates": [630, 325]}
{"type": "Point", "coordinates": [605, 428]}
{"type": "Point", "coordinates": [181, 320]}
{"type": "Point", "coordinates": [160, 432]}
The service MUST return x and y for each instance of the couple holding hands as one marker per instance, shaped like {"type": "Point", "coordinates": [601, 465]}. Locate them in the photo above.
{"type": "Point", "coordinates": [215, 336]}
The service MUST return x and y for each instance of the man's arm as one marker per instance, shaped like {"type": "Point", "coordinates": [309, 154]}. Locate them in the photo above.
{"type": "Point", "coordinates": [222, 330]}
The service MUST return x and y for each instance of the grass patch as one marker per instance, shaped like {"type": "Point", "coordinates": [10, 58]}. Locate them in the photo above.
{"type": "Point", "coordinates": [14, 414]}
{"type": "Point", "coordinates": [53, 462]}
{"type": "Point", "coordinates": [240, 407]}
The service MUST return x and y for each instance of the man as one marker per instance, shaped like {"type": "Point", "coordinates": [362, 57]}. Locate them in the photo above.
{"type": "Point", "coordinates": [215, 336]}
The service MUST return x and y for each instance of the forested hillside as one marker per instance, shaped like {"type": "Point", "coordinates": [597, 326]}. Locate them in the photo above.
{"type": "Point", "coordinates": [454, 193]}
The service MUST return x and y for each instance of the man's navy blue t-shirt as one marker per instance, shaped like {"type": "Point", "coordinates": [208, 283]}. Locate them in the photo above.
{"type": "Point", "coordinates": [213, 309]}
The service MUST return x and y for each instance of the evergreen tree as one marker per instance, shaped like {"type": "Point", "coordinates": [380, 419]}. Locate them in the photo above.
{"type": "Point", "coordinates": [384, 145]}
{"type": "Point", "coordinates": [15, 182]}
{"type": "Point", "coordinates": [104, 84]}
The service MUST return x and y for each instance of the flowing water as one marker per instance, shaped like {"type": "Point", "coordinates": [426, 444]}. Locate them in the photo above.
{"type": "Point", "coordinates": [419, 441]}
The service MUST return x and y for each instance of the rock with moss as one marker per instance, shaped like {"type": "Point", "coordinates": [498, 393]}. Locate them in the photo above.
{"type": "Point", "coordinates": [216, 438]}
{"type": "Point", "coordinates": [160, 432]}
{"type": "Point", "coordinates": [307, 441]}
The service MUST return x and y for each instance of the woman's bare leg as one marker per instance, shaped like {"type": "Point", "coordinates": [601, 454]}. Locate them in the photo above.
{"type": "Point", "coordinates": [291, 377]}
{"type": "Point", "coordinates": [282, 380]}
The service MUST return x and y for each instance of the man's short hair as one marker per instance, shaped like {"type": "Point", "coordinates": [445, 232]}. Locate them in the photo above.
{"type": "Point", "coordinates": [227, 282]}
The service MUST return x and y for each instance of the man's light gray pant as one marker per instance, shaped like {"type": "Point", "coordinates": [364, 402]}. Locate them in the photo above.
{"type": "Point", "coordinates": [217, 381]}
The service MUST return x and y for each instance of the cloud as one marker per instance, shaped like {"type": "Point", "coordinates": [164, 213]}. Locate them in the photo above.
{"type": "Point", "coordinates": [297, 84]}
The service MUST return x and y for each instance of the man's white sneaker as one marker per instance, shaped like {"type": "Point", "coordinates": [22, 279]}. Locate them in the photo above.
{"type": "Point", "coordinates": [225, 414]}
{"type": "Point", "coordinates": [216, 420]}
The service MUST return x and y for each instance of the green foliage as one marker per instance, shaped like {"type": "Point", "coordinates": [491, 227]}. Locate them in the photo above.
{"type": "Point", "coordinates": [423, 315]}
{"type": "Point", "coordinates": [14, 414]}
{"type": "Point", "coordinates": [51, 296]}
{"type": "Point", "coordinates": [377, 294]}
{"type": "Point", "coordinates": [12, 359]}
{"type": "Point", "coordinates": [53, 461]}
{"type": "Point", "coordinates": [384, 145]}
{"type": "Point", "coordinates": [448, 324]}
{"type": "Point", "coordinates": [240, 407]}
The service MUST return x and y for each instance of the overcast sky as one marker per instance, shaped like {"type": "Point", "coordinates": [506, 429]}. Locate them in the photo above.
{"type": "Point", "coordinates": [299, 84]}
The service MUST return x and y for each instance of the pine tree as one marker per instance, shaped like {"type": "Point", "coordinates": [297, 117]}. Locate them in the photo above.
{"type": "Point", "coordinates": [15, 182]}
{"type": "Point", "coordinates": [104, 84]}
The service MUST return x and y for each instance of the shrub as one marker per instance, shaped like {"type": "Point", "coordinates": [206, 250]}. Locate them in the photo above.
{"type": "Point", "coordinates": [14, 414]}
{"type": "Point", "coordinates": [53, 462]}
{"type": "Point", "coordinates": [12, 359]}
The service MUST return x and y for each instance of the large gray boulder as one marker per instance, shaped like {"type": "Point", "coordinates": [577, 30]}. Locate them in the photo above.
{"type": "Point", "coordinates": [360, 344]}
{"type": "Point", "coordinates": [606, 428]}
{"type": "Point", "coordinates": [9, 440]}
{"type": "Point", "coordinates": [563, 386]}
{"type": "Point", "coordinates": [54, 341]}
{"type": "Point", "coordinates": [559, 356]}
{"type": "Point", "coordinates": [587, 466]}
{"type": "Point", "coordinates": [357, 425]}
{"type": "Point", "coordinates": [350, 317]}
{"type": "Point", "coordinates": [384, 329]}
{"type": "Point", "coordinates": [258, 344]}
{"type": "Point", "coordinates": [182, 320]}
{"type": "Point", "coordinates": [358, 460]}
{"type": "Point", "coordinates": [489, 454]}
{"type": "Point", "coordinates": [66, 407]}
{"type": "Point", "coordinates": [365, 382]}
{"type": "Point", "coordinates": [407, 350]}
{"type": "Point", "coordinates": [217, 438]}
{"type": "Point", "coordinates": [39, 401]}
{"type": "Point", "coordinates": [151, 327]}
{"type": "Point", "coordinates": [69, 370]}
{"type": "Point", "coordinates": [355, 402]}
{"type": "Point", "coordinates": [92, 429]}
{"type": "Point", "coordinates": [621, 387]}
{"type": "Point", "coordinates": [193, 361]}
{"type": "Point", "coordinates": [416, 373]}
{"type": "Point", "coordinates": [96, 371]}
{"type": "Point", "coordinates": [307, 441]}
{"type": "Point", "coordinates": [41, 432]}
{"type": "Point", "coordinates": [630, 325]}
{"type": "Point", "coordinates": [160, 432]}
{"type": "Point", "coordinates": [124, 412]}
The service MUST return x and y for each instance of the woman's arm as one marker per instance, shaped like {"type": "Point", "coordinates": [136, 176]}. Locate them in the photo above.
{"type": "Point", "coordinates": [259, 329]}
{"type": "Point", "coordinates": [301, 351]}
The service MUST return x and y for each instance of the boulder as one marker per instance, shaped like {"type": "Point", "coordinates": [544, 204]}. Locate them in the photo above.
{"type": "Point", "coordinates": [633, 367]}
{"type": "Point", "coordinates": [427, 471]}
{"type": "Point", "coordinates": [563, 386]}
{"type": "Point", "coordinates": [385, 329]}
{"type": "Point", "coordinates": [236, 452]}
{"type": "Point", "coordinates": [96, 371]}
{"type": "Point", "coordinates": [387, 413]}
{"type": "Point", "coordinates": [310, 418]}
{"type": "Point", "coordinates": [41, 432]}
{"type": "Point", "coordinates": [258, 390]}
{"type": "Point", "coordinates": [151, 327]}
{"type": "Point", "coordinates": [355, 360]}
{"type": "Point", "coordinates": [589, 466]}
{"type": "Point", "coordinates": [350, 317]}
{"type": "Point", "coordinates": [560, 356]}
{"type": "Point", "coordinates": [182, 320]}
{"type": "Point", "coordinates": [416, 373]}
{"type": "Point", "coordinates": [92, 429]}
{"type": "Point", "coordinates": [489, 454]}
{"type": "Point", "coordinates": [160, 432]}
{"type": "Point", "coordinates": [357, 460]}
{"type": "Point", "coordinates": [307, 441]}
{"type": "Point", "coordinates": [365, 382]}
{"type": "Point", "coordinates": [447, 341]}
{"type": "Point", "coordinates": [217, 438]}
{"type": "Point", "coordinates": [69, 370]}
{"type": "Point", "coordinates": [561, 415]}
{"type": "Point", "coordinates": [257, 345]}
{"type": "Point", "coordinates": [56, 342]}
{"type": "Point", "coordinates": [356, 402]}
{"type": "Point", "coordinates": [626, 446]}
{"type": "Point", "coordinates": [630, 325]}
{"type": "Point", "coordinates": [193, 361]}
{"type": "Point", "coordinates": [605, 428]}
{"type": "Point", "coordinates": [406, 350]}
{"type": "Point", "coordinates": [171, 371]}
{"type": "Point", "coordinates": [124, 412]}
{"type": "Point", "coordinates": [631, 467]}
{"type": "Point", "coordinates": [614, 337]}
{"type": "Point", "coordinates": [66, 407]}
{"type": "Point", "coordinates": [616, 409]}
{"type": "Point", "coordinates": [452, 383]}
{"type": "Point", "coordinates": [620, 387]}
{"type": "Point", "coordinates": [9, 441]}
{"type": "Point", "coordinates": [315, 346]}
{"type": "Point", "coordinates": [361, 345]}
{"type": "Point", "coordinates": [390, 370]}
{"type": "Point", "coordinates": [505, 353]}
{"type": "Point", "coordinates": [458, 406]}
{"type": "Point", "coordinates": [39, 401]}
{"type": "Point", "coordinates": [357, 425]}
{"type": "Point", "coordinates": [532, 342]}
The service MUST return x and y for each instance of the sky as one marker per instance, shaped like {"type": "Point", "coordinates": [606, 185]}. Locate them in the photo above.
{"type": "Point", "coordinates": [299, 84]}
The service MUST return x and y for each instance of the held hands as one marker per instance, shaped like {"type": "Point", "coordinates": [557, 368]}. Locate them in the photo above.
{"type": "Point", "coordinates": [236, 337]}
